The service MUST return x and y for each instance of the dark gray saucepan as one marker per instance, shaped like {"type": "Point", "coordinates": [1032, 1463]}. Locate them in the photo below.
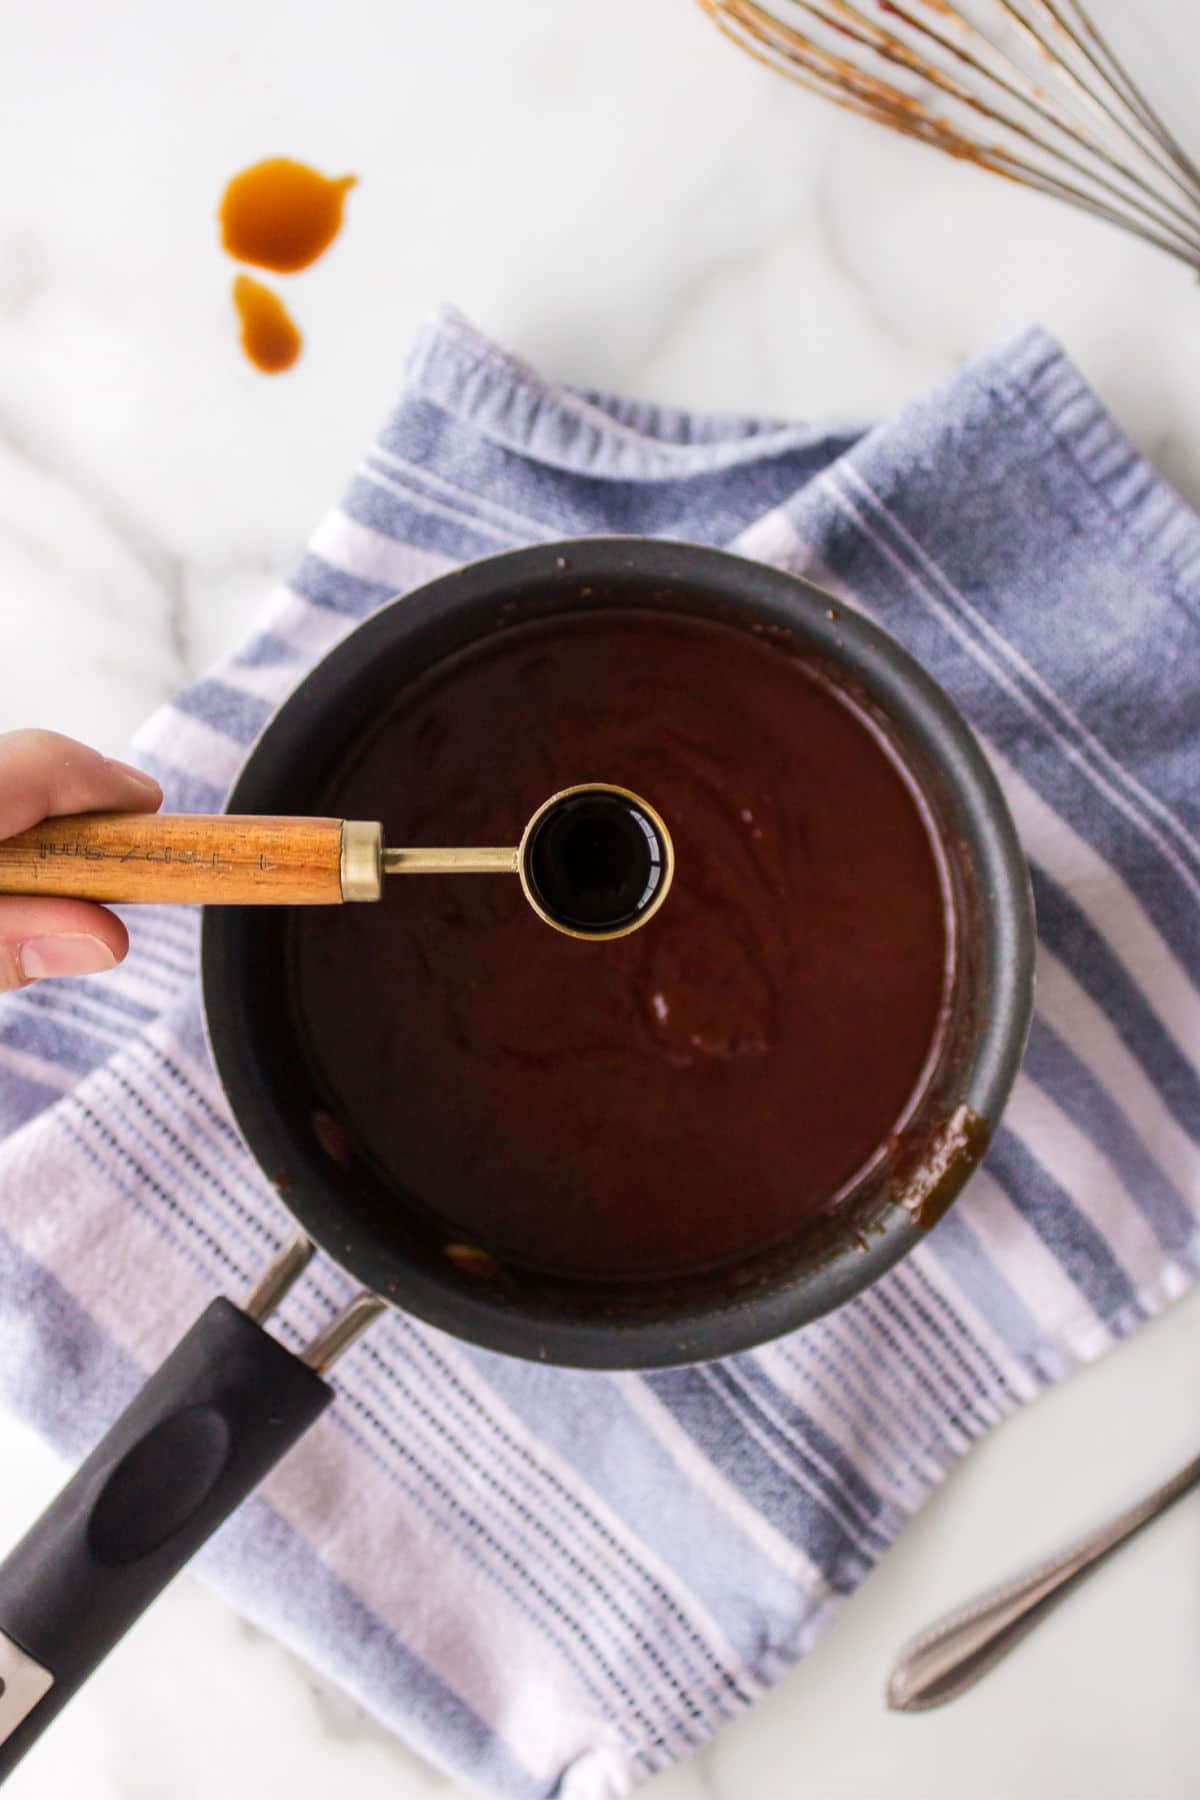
{"type": "Point", "coordinates": [230, 1401]}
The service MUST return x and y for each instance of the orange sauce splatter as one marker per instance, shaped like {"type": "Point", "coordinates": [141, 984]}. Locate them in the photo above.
{"type": "Point", "coordinates": [270, 337]}
{"type": "Point", "coordinates": [281, 214]}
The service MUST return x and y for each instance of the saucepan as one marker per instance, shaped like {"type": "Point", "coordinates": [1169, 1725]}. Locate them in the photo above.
{"type": "Point", "coordinates": [230, 1401]}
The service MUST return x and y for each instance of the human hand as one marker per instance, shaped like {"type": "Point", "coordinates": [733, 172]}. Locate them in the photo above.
{"type": "Point", "coordinates": [43, 774]}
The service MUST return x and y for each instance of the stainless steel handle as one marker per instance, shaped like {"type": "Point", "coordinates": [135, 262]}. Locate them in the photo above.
{"type": "Point", "coordinates": [953, 1654]}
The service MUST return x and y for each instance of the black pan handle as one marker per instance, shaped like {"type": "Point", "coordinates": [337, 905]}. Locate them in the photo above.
{"type": "Point", "coordinates": [223, 1409]}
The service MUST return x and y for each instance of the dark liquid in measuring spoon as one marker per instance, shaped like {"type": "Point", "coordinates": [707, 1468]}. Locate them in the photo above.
{"type": "Point", "coordinates": [674, 1099]}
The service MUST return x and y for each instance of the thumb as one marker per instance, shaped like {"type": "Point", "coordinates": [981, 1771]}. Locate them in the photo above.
{"type": "Point", "coordinates": [41, 938]}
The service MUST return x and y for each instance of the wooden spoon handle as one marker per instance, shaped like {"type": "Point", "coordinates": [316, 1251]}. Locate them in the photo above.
{"type": "Point", "coordinates": [224, 860]}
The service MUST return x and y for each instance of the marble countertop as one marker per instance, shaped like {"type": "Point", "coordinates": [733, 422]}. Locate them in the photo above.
{"type": "Point", "coordinates": [627, 201]}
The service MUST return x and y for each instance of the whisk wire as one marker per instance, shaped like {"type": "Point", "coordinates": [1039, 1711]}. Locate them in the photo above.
{"type": "Point", "coordinates": [1109, 69]}
{"type": "Point", "coordinates": [1028, 89]}
{"type": "Point", "coordinates": [1130, 116]}
{"type": "Point", "coordinates": [1025, 92]}
{"type": "Point", "coordinates": [848, 93]}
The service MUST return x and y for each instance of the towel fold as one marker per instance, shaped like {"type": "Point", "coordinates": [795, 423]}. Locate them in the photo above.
{"type": "Point", "coordinates": [553, 1582]}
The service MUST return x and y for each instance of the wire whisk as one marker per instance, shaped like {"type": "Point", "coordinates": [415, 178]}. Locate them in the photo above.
{"type": "Point", "coordinates": [1029, 89]}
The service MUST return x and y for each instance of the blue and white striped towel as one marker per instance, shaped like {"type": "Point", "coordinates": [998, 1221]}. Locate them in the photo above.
{"type": "Point", "coordinates": [553, 1583]}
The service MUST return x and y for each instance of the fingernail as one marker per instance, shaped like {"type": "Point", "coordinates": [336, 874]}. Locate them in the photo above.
{"type": "Point", "coordinates": [72, 954]}
{"type": "Point", "coordinates": [138, 775]}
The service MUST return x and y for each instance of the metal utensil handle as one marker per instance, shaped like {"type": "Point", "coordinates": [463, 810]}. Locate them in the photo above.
{"type": "Point", "coordinates": [953, 1654]}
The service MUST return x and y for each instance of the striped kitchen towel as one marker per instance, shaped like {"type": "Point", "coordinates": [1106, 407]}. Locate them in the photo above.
{"type": "Point", "coordinates": [551, 1582]}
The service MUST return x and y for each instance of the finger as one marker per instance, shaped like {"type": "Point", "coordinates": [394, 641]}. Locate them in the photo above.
{"type": "Point", "coordinates": [41, 938]}
{"type": "Point", "coordinates": [43, 773]}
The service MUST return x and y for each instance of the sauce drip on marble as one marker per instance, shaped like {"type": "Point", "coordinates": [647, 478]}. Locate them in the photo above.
{"type": "Point", "coordinates": [280, 215]}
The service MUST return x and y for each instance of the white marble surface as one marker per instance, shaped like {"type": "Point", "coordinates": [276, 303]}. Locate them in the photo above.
{"type": "Point", "coordinates": [617, 193]}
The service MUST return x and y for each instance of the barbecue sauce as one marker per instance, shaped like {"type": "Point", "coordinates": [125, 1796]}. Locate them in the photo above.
{"type": "Point", "coordinates": [676, 1099]}
{"type": "Point", "coordinates": [270, 336]}
{"type": "Point", "coordinates": [279, 215]}
{"type": "Point", "coordinates": [282, 215]}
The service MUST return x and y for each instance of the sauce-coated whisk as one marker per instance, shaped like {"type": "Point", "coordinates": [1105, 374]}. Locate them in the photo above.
{"type": "Point", "coordinates": [1029, 89]}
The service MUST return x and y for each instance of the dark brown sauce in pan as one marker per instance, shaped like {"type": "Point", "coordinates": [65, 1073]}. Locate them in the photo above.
{"type": "Point", "coordinates": [679, 1098]}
